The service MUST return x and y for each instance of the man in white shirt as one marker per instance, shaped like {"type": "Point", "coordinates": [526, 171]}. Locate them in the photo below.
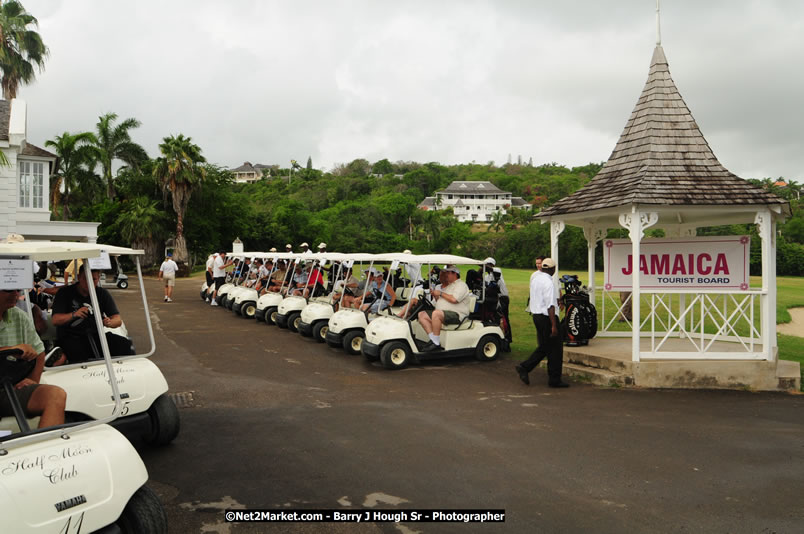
{"type": "Point", "coordinates": [219, 273]}
{"type": "Point", "coordinates": [542, 307]}
{"type": "Point", "coordinates": [167, 272]}
{"type": "Point", "coordinates": [208, 273]}
{"type": "Point", "coordinates": [451, 306]}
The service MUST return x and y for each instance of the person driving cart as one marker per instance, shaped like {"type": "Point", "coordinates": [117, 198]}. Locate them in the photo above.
{"type": "Point", "coordinates": [451, 306]}
{"type": "Point", "coordinates": [76, 330]}
{"type": "Point", "coordinates": [18, 332]}
{"type": "Point", "coordinates": [384, 295]}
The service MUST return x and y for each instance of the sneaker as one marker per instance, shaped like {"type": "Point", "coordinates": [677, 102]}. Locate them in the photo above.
{"type": "Point", "coordinates": [213, 303]}
{"type": "Point", "coordinates": [168, 299]}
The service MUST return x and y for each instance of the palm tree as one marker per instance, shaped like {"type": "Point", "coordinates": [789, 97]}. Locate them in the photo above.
{"type": "Point", "coordinates": [73, 166]}
{"type": "Point", "coordinates": [20, 48]}
{"type": "Point", "coordinates": [140, 222]}
{"type": "Point", "coordinates": [114, 142]}
{"type": "Point", "coordinates": [498, 219]}
{"type": "Point", "coordinates": [179, 171]}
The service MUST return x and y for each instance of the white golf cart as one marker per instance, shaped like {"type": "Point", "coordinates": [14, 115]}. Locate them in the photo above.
{"type": "Point", "coordinates": [230, 281]}
{"type": "Point", "coordinates": [114, 278]}
{"type": "Point", "coordinates": [347, 327]}
{"type": "Point", "coordinates": [75, 477]}
{"type": "Point", "coordinates": [316, 315]}
{"type": "Point", "coordinates": [288, 313]}
{"type": "Point", "coordinates": [268, 303]}
{"type": "Point", "coordinates": [244, 298]}
{"type": "Point", "coordinates": [397, 342]}
{"type": "Point", "coordinates": [147, 410]}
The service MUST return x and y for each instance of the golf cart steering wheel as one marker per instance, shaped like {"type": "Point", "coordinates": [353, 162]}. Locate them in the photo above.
{"type": "Point", "coordinates": [12, 367]}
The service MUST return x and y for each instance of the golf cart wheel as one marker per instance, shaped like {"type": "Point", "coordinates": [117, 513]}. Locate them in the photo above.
{"type": "Point", "coordinates": [122, 284]}
{"type": "Point", "coordinates": [353, 341]}
{"type": "Point", "coordinates": [165, 422]}
{"type": "Point", "coordinates": [143, 513]}
{"type": "Point", "coordinates": [320, 331]}
{"type": "Point", "coordinates": [248, 310]}
{"type": "Point", "coordinates": [203, 294]}
{"type": "Point", "coordinates": [395, 355]}
{"type": "Point", "coordinates": [488, 349]}
{"type": "Point", "coordinates": [270, 315]}
{"type": "Point", "coordinates": [294, 318]}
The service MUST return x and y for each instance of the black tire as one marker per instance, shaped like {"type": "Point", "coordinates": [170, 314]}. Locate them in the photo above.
{"type": "Point", "coordinates": [334, 345]}
{"type": "Point", "coordinates": [165, 421]}
{"type": "Point", "coordinates": [293, 321]}
{"type": "Point", "coordinates": [270, 315]}
{"type": "Point", "coordinates": [488, 348]}
{"type": "Point", "coordinates": [143, 513]}
{"type": "Point", "coordinates": [352, 341]}
{"type": "Point", "coordinates": [395, 355]}
{"type": "Point", "coordinates": [229, 302]}
{"type": "Point", "coordinates": [320, 329]}
{"type": "Point", "coordinates": [248, 309]}
{"type": "Point", "coordinates": [203, 294]}
{"type": "Point", "coordinates": [122, 284]}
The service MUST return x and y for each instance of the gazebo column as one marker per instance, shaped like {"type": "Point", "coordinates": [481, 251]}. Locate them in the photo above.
{"type": "Point", "coordinates": [767, 233]}
{"type": "Point", "coordinates": [556, 227]}
{"type": "Point", "coordinates": [593, 235]}
{"type": "Point", "coordinates": [636, 222]}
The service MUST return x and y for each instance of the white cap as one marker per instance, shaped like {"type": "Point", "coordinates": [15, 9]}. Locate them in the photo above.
{"type": "Point", "coordinates": [372, 271]}
{"type": "Point", "coordinates": [273, 249]}
{"type": "Point", "coordinates": [407, 251]}
{"type": "Point", "coordinates": [288, 246]}
{"type": "Point", "coordinates": [451, 269]}
{"type": "Point", "coordinates": [322, 245]}
{"type": "Point", "coordinates": [490, 261]}
{"type": "Point", "coordinates": [304, 245]}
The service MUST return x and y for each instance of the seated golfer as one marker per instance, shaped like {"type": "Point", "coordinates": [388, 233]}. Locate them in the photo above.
{"type": "Point", "coordinates": [451, 306]}
{"type": "Point", "coordinates": [384, 294]}
{"type": "Point", "coordinates": [17, 332]}
{"type": "Point", "coordinates": [76, 331]}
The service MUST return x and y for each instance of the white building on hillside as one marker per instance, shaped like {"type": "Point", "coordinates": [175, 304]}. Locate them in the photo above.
{"type": "Point", "coordinates": [248, 173]}
{"type": "Point", "coordinates": [474, 201]}
{"type": "Point", "coordinates": [25, 185]}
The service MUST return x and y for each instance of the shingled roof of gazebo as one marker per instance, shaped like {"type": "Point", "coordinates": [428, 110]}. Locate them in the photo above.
{"type": "Point", "coordinates": [662, 158]}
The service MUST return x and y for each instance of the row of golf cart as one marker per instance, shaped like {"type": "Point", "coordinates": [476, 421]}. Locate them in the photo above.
{"type": "Point", "coordinates": [83, 475]}
{"type": "Point", "coordinates": [392, 334]}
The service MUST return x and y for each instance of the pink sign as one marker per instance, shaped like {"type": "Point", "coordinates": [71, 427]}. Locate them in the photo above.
{"type": "Point", "coordinates": [718, 262]}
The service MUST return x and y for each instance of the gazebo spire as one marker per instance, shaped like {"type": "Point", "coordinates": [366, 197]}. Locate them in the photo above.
{"type": "Point", "coordinates": [658, 26]}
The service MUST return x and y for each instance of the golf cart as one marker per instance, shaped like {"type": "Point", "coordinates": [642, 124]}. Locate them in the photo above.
{"type": "Point", "coordinates": [75, 477]}
{"type": "Point", "coordinates": [117, 278]}
{"type": "Point", "coordinates": [288, 313]}
{"type": "Point", "coordinates": [347, 327]}
{"type": "Point", "coordinates": [268, 303]}
{"type": "Point", "coordinates": [147, 410]}
{"type": "Point", "coordinates": [316, 315]}
{"type": "Point", "coordinates": [397, 342]}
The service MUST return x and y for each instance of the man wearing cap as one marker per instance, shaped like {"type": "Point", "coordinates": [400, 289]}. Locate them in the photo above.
{"type": "Point", "coordinates": [219, 273]}
{"type": "Point", "coordinates": [288, 248]}
{"type": "Point", "coordinates": [451, 306]}
{"type": "Point", "coordinates": [542, 307]}
{"type": "Point", "coordinates": [305, 248]}
{"type": "Point", "coordinates": [210, 278]}
{"type": "Point", "coordinates": [18, 332]}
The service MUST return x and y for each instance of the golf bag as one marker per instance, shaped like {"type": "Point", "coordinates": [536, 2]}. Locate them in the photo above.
{"type": "Point", "coordinates": [579, 324]}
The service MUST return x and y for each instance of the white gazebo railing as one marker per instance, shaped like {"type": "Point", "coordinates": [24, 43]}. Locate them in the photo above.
{"type": "Point", "coordinates": [712, 324]}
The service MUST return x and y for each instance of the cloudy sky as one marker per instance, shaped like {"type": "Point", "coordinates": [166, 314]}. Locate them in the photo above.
{"type": "Point", "coordinates": [452, 81]}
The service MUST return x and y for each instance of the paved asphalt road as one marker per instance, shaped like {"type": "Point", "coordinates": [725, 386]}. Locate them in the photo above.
{"type": "Point", "coordinates": [279, 421]}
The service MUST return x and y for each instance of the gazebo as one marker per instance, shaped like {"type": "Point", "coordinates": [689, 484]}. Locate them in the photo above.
{"type": "Point", "coordinates": [663, 174]}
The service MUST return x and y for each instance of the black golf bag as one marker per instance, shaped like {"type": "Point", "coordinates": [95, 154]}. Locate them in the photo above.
{"type": "Point", "coordinates": [579, 324]}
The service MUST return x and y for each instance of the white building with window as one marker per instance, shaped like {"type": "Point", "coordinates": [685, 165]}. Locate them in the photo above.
{"type": "Point", "coordinates": [474, 201]}
{"type": "Point", "coordinates": [25, 184]}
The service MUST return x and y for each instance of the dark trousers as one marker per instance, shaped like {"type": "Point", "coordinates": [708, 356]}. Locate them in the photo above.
{"type": "Point", "coordinates": [80, 349]}
{"type": "Point", "coordinates": [550, 347]}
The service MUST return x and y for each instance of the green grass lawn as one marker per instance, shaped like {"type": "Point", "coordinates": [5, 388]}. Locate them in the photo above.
{"type": "Point", "coordinates": [790, 293]}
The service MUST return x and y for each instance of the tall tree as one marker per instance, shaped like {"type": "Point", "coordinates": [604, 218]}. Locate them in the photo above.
{"type": "Point", "coordinates": [73, 166]}
{"type": "Point", "coordinates": [140, 223]}
{"type": "Point", "coordinates": [20, 48]}
{"type": "Point", "coordinates": [309, 163]}
{"type": "Point", "coordinates": [179, 171]}
{"type": "Point", "coordinates": [114, 142]}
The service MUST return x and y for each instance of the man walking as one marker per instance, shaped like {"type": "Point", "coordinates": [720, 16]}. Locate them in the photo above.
{"type": "Point", "coordinates": [167, 272]}
{"type": "Point", "coordinates": [542, 307]}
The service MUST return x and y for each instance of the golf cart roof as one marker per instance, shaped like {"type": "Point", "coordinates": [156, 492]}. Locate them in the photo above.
{"type": "Point", "coordinates": [442, 258]}
{"type": "Point", "coordinates": [51, 250]}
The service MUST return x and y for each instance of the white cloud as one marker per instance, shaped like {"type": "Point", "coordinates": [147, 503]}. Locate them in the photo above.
{"type": "Point", "coordinates": [451, 81]}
